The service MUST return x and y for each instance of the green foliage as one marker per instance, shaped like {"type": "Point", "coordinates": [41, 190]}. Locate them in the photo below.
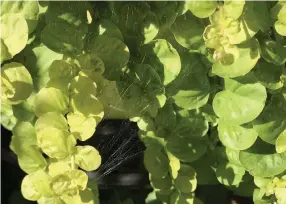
{"type": "Point", "coordinates": [204, 81]}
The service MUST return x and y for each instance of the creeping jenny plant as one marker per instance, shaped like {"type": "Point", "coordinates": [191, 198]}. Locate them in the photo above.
{"type": "Point", "coordinates": [204, 81]}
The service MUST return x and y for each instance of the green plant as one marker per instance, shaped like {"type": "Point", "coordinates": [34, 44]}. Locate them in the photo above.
{"type": "Point", "coordinates": [204, 80]}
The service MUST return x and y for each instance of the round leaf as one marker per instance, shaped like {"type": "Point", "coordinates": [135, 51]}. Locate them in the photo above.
{"type": "Point", "coordinates": [235, 136]}
{"type": "Point", "coordinates": [161, 183]}
{"type": "Point", "coordinates": [83, 84]}
{"type": "Point", "coordinates": [161, 55]}
{"type": "Point", "coordinates": [202, 9]}
{"type": "Point", "coordinates": [87, 157]}
{"type": "Point", "coordinates": [114, 54]}
{"type": "Point", "coordinates": [263, 165]}
{"type": "Point", "coordinates": [82, 127]}
{"type": "Point", "coordinates": [63, 37]}
{"type": "Point", "coordinates": [79, 177]}
{"type": "Point", "coordinates": [14, 34]}
{"type": "Point", "coordinates": [186, 181]}
{"type": "Point", "coordinates": [24, 134]}
{"type": "Point", "coordinates": [31, 159]}
{"type": "Point", "coordinates": [8, 120]}
{"type": "Point", "coordinates": [268, 75]}
{"type": "Point", "coordinates": [51, 100]}
{"type": "Point", "coordinates": [188, 31]}
{"type": "Point", "coordinates": [87, 105]}
{"type": "Point", "coordinates": [28, 189]}
{"type": "Point", "coordinates": [16, 82]}
{"type": "Point", "coordinates": [242, 100]}
{"type": "Point", "coordinates": [190, 90]}
{"type": "Point", "coordinates": [156, 162]}
{"type": "Point", "coordinates": [248, 57]}
{"type": "Point", "coordinates": [271, 122]}
{"type": "Point", "coordinates": [187, 150]}
{"type": "Point", "coordinates": [56, 143]}
{"type": "Point", "coordinates": [51, 120]}
{"type": "Point", "coordinates": [28, 9]}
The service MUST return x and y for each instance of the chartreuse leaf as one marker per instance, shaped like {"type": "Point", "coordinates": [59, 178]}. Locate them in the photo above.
{"type": "Point", "coordinates": [87, 105]}
{"type": "Point", "coordinates": [280, 194]}
{"type": "Point", "coordinates": [186, 149]}
{"type": "Point", "coordinates": [190, 89]}
{"type": "Point", "coordinates": [237, 137]}
{"type": "Point", "coordinates": [188, 31]}
{"type": "Point", "coordinates": [156, 162]}
{"type": "Point", "coordinates": [28, 9]}
{"type": "Point", "coordinates": [87, 197]}
{"type": "Point", "coordinates": [24, 134]}
{"type": "Point", "coordinates": [278, 12]}
{"type": "Point", "coordinates": [233, 9]}
{"type": "Point", "coordinates": [242, 100]}
{"type": "Point", "coordinates": [61, 184]}
{"type": "Point", "coordinates": [233, 156]}
{"type": "Point", "coordinates": [28, 189]}
{"type": "Point", "coordinates": [51, 100]}
{"type": "Point", "coordinates": [5, 55]}
{"type": "Point", "coordinates": [31, 160]}
{"type": "Point", "coordinates": [81, 126]}
{"type": "Point", "coordinates": [56, 143]}
{"type": "Point", "coordinates": [16, 83]}
{"type": "Point", "coordinates": [280, 28]}
{"type": "Point", "coordinates": [202, 9]}
{"type": "Point", "coordinates": [79, 178]}
{"type": "Point", "coordinates": [268, 74]}
{"type": "Point", "coordinates": [248, 57]}
{"type": "Point", "coordinates": [163, 58]}
{"type": "Point", "coordinates": [8, 120]}
{"type": "Point", "coordinates": [181, 198]}
{"type": "Point", "coordinates": [87, 157]}
{"type": "Point", "coordinates": [254, 18]}
{"type": "Point", "coordinates": [39, 61]}
{"type": "Point", "coordinates": [51, 120]}
{"type": "Point", "coordinates": [186, 181]}
{"type": "Point", "coordinates": [271, 122]}
{"type": "Point", "coordinates": [14, 35]}
{"type": "Point", "coordinates": [262, 161]}
{"type": "Point", "coordinates": [280, 142]}
{"type": "Point", "coordinates": [83, 84]}
{"type": "Point", "coordinates": [174, 164]}
{"type": "Point", "coordinates": [57, 168]}
{"type": "Point", "coordinates": [36, 185]}
{"type": "Point", "coordinates": [229, 174]}
{"type": "Point", "coordinates": [273, 52]}
{"type": "Point", "coordinates": [114, 54]}
{"type": "Point", "coordinates": [41, 181]}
